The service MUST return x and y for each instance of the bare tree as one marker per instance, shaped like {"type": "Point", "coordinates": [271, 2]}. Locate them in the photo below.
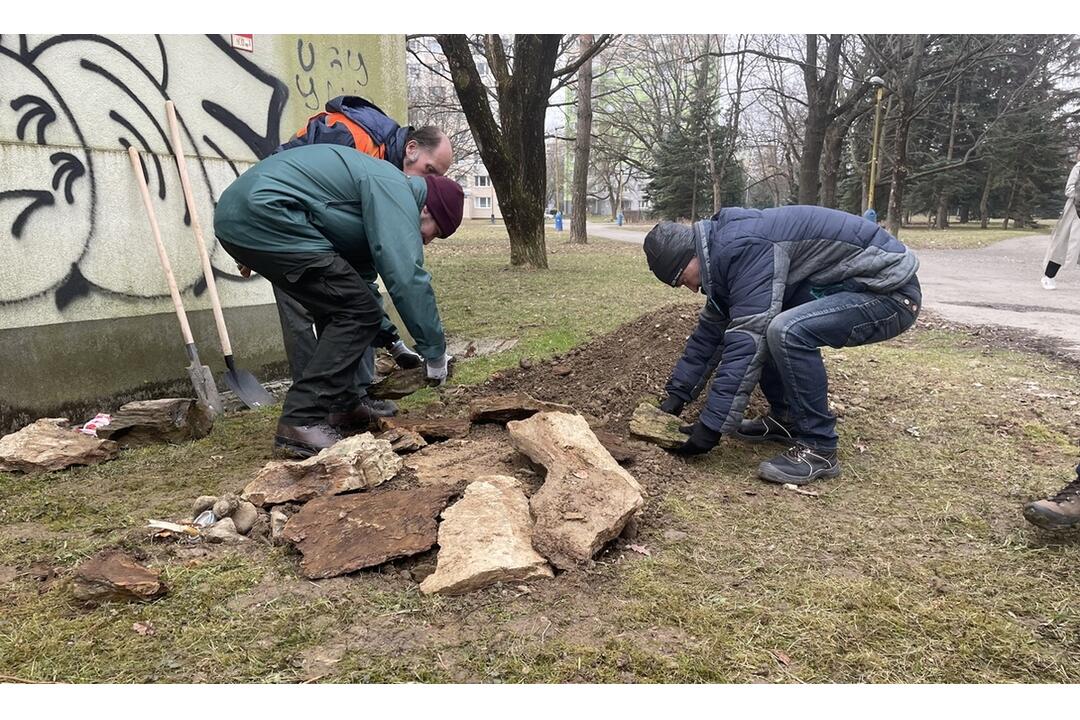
{"type": "Point", "coordinates": [582, 142]}
{"type": "Point", "coordinates": [508, 123]}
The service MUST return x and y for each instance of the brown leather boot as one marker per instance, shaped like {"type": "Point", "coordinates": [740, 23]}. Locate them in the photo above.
{"type": "Point", "coordinates": [1060, 512]}
{"type": "Point", "coordinates": [303, 441]}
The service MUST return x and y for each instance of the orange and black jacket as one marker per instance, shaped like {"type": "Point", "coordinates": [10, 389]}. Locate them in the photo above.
{"type": "Point", "coordinates": [357, 123]}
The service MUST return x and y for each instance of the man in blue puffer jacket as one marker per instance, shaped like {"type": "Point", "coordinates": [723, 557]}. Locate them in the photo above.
{"type": "Point", "coordinates": [780, 284]}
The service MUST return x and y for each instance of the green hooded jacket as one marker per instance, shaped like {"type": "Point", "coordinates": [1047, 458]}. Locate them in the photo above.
{"type": "Point", "coordinates": [329, 198]}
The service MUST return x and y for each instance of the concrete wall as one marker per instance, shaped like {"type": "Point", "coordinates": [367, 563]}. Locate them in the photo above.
{"type": "Point", "coordinates": [84, 308]}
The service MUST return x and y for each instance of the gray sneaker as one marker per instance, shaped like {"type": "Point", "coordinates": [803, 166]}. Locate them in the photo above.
{"type": "Point", "coordinates": [764, 429]}
{"type": "Point", "coordinates": [800, 465]}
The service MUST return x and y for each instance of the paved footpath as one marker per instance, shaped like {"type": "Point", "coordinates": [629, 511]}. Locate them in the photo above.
{"type": "Point", "coordinates": [999, 285]}
{"type": "Point", "coordinates": [994, 285]}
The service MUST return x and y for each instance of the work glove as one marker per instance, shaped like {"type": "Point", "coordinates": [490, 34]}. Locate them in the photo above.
{"type": "Point", "coordinates": [702, 440]}
{"type": "Point", "coordinates": [438, 369]}
{"type": "Point", "coordinates": [405, 358]}
{"type": "Point", "coordinates": [672, 405]}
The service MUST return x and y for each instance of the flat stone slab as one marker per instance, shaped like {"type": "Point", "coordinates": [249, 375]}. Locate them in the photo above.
{"type": "Point", "coordinates": [516, 406]}
{"type": "Point", "coordinates": [342, 534]}
{"type": "Point", "coordinates": [355, 463]}
{"type": "Point", "coordinates": [456, 463]}
{"type": "Point", "coordinates": [50, 444]}
{"type": "Point", "coordinates": [114, 575]}
{"type": "Point", "coordinates": [586, 499]}
{"type": "Point", "coordinates": [653, 424]}
{"type": "Point", "coordinates": [485, 538]}
{"type": "Point", "coordinates": [431, 429]}
{"type": "Point", "coordinates": [170, 420]}
{"type": "Point", "coordinates": [398, 384]}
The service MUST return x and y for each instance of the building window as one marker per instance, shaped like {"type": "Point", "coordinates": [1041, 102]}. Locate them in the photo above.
{"type": "Point", "coordinates": [482, 181]}
{"type": "Point", "coordinates": [414, 71]}
{"type": "Point", "coordinates": [481, 67]}
{"type": "Point", "coordinates": [438, 93]}
{"type": "Point", "coordinates": [482, 203]}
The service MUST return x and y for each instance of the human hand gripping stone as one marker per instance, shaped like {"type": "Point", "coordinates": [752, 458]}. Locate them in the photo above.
{"type": "Point", "coordinates": [701, 441]}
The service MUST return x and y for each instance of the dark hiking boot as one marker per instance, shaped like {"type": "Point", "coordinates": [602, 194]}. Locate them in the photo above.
{"type": "Point", "coordinates": [382, 408]}
{"type": "Point", "coordinates": [303, 441]}
{"type": "Point", "coordinates": [1060, 512]}
{"type": "Point", "coordinates": [764, 429]}
{"type": "Point", "coordinates": [799, 465]}
{"type": "Point", "coordinates": [364, 416]}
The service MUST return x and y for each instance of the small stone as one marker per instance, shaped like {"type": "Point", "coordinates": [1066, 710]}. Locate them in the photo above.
{"type": "Point", "coordinates": [525, 363]}
{"type": "Point", "coordinates": [223, 531]}
{"type": "Point", "coordinates": [277, 525]}
{"type": "Point", "coordinates": [202, 503]}
{"type": "Point", "coordinates": [421, 571]}
{"type": "Point", "coordinates": [791, 486]}
{"type": "Point", "coordinates": [561, 370]}
{"type": "Point", "coordinates": [113, 575]}
{"type": "Point", "coordinates": [226, 505]}
{"type": "Point", "coordinates": [403, 440]}
{"type": "Point", "coordinates": [244, 517]}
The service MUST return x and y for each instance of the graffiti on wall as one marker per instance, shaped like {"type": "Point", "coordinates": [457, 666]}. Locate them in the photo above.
{"type": "Point", "coordinates": [343, 71]}
{"type": "Point", "coordinates": [71, 224]}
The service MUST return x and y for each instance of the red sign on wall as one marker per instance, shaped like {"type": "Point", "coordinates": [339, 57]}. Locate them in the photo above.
{"type": "Point", "coordinates": [244, 42]}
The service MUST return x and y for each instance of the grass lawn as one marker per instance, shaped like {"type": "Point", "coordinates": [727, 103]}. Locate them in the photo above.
{"type": "Point", "coordinates": [915, 565]}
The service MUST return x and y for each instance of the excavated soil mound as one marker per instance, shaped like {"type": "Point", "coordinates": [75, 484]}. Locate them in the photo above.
{"type": "Point", "coordinates": [607, 377]}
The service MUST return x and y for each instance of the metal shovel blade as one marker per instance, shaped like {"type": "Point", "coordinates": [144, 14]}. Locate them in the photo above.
{"type": "Point", "coordinates": [246, 386]}
{"type": "Point", "coordinates": [205, 387]}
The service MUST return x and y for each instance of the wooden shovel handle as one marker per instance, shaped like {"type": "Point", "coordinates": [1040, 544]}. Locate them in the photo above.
{"type": "Point", "coordinates": [162, 255]}
{"type": "Point", "coordinates": [204, 256]}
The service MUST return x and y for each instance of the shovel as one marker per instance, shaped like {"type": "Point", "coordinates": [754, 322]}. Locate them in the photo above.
{"type": "Point", "coordinates": [201, 378]}
{"type": "Point", "coordinates": [244, 384]}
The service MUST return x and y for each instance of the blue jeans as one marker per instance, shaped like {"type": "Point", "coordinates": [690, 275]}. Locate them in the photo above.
{"type": "Point", "coordinates": [793, 378]}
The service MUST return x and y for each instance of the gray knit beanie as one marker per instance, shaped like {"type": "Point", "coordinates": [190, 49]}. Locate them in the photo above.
{"type": "Point", "coordinates": [669, 247]}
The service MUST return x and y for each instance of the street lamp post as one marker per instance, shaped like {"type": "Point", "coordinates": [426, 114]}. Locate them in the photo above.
{"type": "Point", "coordinates": [880, 84]}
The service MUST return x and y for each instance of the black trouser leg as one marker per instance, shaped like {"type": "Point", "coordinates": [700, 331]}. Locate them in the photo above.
{"type": "Point", "coordinates": [347, 317]}
{"type": "Point", "coordinates": [1051, 269]}
{"type": "Point", "coordinates": [296, 332]}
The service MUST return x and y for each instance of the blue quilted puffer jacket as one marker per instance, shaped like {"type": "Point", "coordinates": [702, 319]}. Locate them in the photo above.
{"type": "Point", "coordinates": [756, 263]}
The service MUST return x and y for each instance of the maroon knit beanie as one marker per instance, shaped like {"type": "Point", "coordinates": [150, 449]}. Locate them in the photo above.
{"type": "Point", "coordinates": [445, 201]}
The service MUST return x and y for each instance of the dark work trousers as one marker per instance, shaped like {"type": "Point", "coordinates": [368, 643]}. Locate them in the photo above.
{"type": "Point", "coordinates": [793, 378]}
{"type": "Point", "coordinates": [347, 318]}
{"type": "Point", "coordinates": [298, 332]}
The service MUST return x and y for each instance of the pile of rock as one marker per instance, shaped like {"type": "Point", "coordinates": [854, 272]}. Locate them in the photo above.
{"type": "Point", "coordinates": [334, 509]}
{"type": "Point", "coordinates": [228, 519]}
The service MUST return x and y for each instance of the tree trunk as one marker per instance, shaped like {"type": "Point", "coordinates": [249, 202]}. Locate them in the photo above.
{"type": "Point", "coordinates": [830, 162]}
{"type": "Point", "coordinates": [943, 195]}
{"type": "Point", "coordinates": [906, 92]}
{"type": "Point", "coordinates": [581, 145]}
{"type": "Point", "coordinates": [984, 201]}
{"type": "Point", "coordinates": [965, 214]}
{"type": "Point", "coordinates": [512, 149]}
{"type": "Point", "coordinates": [820, 94]}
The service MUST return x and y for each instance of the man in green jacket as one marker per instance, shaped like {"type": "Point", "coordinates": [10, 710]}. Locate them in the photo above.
{"type": "Point", "coordinates": [320, 222]}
